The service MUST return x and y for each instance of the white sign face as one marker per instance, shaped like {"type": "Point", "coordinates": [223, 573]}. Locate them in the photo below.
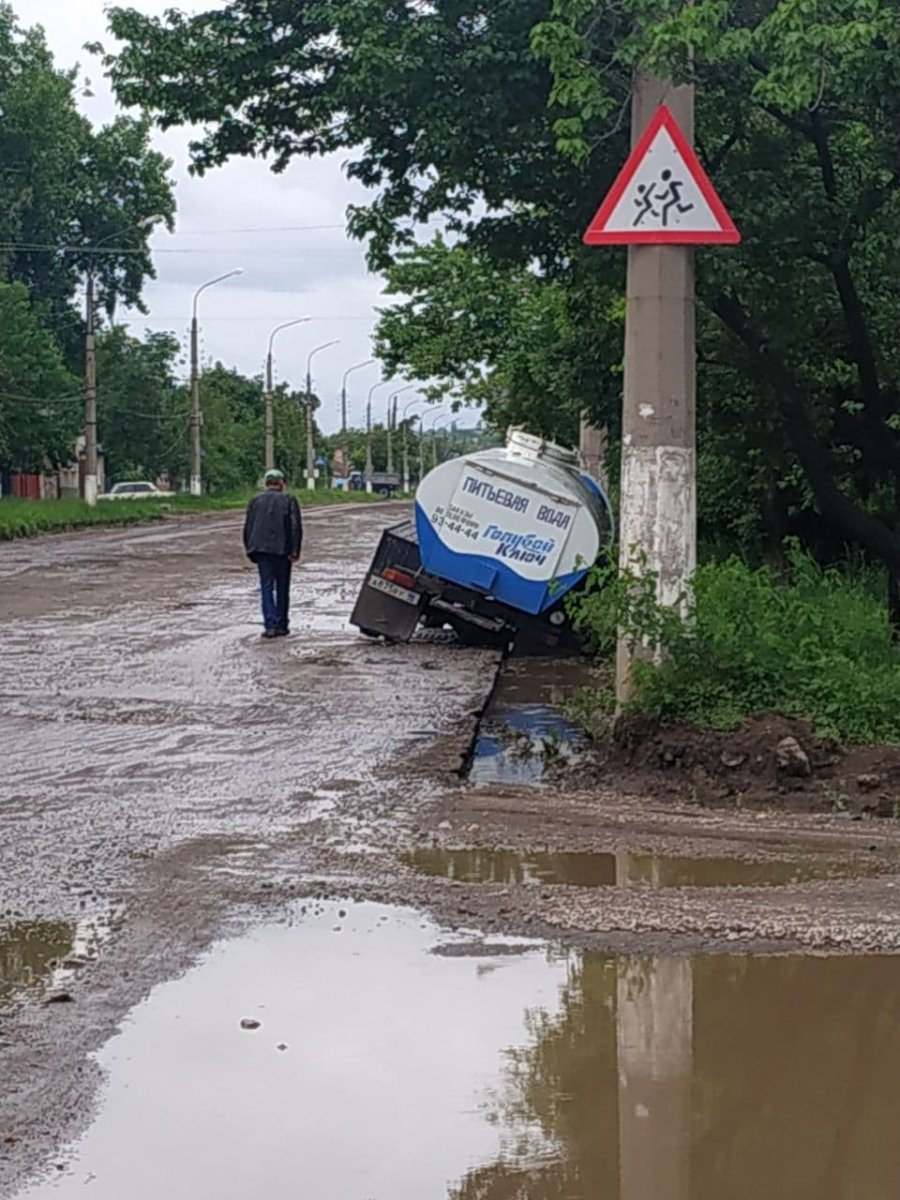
{"type": "Point", "coordinates": [501, 519]}
{"type": "Point", "coordinates": [662, 194]}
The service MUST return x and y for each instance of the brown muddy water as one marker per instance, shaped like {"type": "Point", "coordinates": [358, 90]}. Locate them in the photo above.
{"type": "Point", "coordinates": [525, 729]}
{"type": "Point", "coordinates": [590, 870]}
{"type": "Point", "coordinates": [383, 1071]}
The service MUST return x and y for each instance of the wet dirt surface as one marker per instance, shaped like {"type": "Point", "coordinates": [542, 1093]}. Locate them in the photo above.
{"type": "Point", "coordinates": [545, 1074]}
{"type": "Point", "coordinates": [170, 780]}
{"type": "Point", "coordinates": [617, 870]}
{"type": "Point", "coordinates": [158, 754]}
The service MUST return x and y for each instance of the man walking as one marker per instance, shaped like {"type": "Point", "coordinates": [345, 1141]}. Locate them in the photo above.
{"type": "Point", "coordinates": [273, 535]}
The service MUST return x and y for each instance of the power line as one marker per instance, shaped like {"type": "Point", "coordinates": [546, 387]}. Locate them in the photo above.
{"type": "Point", "coordinates": [252, 229]}
{"type": "Point", "coordinates": [243, 320]}
{"type": "Point", "coordinates": [116, 251]}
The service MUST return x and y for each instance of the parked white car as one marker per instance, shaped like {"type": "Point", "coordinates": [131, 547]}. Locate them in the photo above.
{"type": "Point", "coordinates": [141, 490]}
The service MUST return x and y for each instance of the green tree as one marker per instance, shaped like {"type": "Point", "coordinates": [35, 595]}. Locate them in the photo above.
{"type": "Point", "coordinates": [71, 187]}
{"type": "Point", "coordinates": [508, 122]}
{"type": "Point", "coordinates": [142, 409]}
{"type": "Point", "coordinates": [40, 400]}
{"type": "Point", "coordinates": [798, 106]}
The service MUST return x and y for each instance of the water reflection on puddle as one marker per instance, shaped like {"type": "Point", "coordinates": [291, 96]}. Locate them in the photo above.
{"type": "Point", "coordinates": [383, 1071]}
{"type": "Point", "coordinates": [30, 951]}
{"type": "Point", "coordinates": [42, 954]}
{"type": "Point", "coordinates": [391, 1052]}
{"type": "Point", "coordinates": [611, 870]}
{"type": "Point", "coordinates": [525, 729]}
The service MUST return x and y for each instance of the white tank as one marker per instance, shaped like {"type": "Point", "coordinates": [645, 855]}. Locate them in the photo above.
{"type": "Point", "coordinates": [520, 523]}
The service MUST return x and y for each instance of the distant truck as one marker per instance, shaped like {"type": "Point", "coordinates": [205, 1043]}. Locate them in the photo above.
{"type": "Point", "coordinates": [385, 483]}
{"type": "Point", "coordinates": [498, 541]}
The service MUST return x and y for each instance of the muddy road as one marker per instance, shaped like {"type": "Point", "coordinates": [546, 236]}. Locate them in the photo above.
{"type": "Point", "coordinates": [256, 929]}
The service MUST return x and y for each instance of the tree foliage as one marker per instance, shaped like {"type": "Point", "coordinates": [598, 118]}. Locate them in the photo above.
{"type": "Point", "coordinates": [73, 200]}
{"type": "Point", "coordinates": [508, 122]}
{"type": "Point", "coordinates": [39, 397]}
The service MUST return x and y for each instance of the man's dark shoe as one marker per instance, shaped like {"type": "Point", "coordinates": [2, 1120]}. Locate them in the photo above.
{"type": "Point", "coordinates": [269, 633]}
{"type": "Point", "coordinates": [282, 632]}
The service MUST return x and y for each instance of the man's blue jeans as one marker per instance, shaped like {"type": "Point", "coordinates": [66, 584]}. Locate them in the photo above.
{"type": "Point", "coordinates": [275, 586]}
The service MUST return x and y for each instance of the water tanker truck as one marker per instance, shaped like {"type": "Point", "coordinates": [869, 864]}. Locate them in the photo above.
{"type": "Point", "coordinates": [498, 541]}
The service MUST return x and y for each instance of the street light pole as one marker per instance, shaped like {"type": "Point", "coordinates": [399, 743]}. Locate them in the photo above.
{"type": "Point", "coordinates": [270, 407]}
{"type": "Point", "coordinates": [415, 400]}
{"type": "Point", "coordinates": [434, 422]}
{"type": "Point", "coordinates": [344, 443]}
{"type": "Point", "coordinates": [196, 418]}
{"type": "Point", "coordinates": [391, 422]}
{"type": "Point", "coordinates": [310, 448]}
{"type": "Point", "coordinates": [369, 465]}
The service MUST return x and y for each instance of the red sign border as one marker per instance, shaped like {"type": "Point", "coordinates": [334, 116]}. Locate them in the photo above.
{"type": "Point", "coordinates": [597, 235]}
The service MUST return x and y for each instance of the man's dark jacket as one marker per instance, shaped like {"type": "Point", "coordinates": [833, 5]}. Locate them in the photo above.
{"type": "Point", "coordinates": [273, 525]}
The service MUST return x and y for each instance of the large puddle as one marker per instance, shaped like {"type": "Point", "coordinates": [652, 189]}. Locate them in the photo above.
{"type": "Point", "coordinates": [381, 1071]}
{"type": "Point", "coordinates": [616, 870]}
{"type": "Point", "coordinates": [525, 730]}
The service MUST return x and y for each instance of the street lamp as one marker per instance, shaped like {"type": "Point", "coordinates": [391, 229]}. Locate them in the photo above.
{"type": "Point", "coordinates": [415, 400]}
{"type": "Point", "coordinates": [91, 479]}
{"type": "Point", "coordinates": [391, 421]}
{"type": "Point", "coordinates": [344, 445]}
{"type": "Point", "coordinates": [270, 412]}
{"type": "Point", "coordinates": [372, 389]}
{"type": "Point", "coordinates": [310, 451]}
{"type": "Point", "coordinates": [196, 421]}
{"type": "Point", "coordinates": [443, 416]}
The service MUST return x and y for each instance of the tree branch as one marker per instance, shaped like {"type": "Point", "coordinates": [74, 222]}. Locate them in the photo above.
{"type": "Point", "coordinates": [834, 504]}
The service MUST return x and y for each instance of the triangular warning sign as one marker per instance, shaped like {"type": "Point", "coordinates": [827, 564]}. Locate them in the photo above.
{"type": "Point", "coordinates": [662, 195]}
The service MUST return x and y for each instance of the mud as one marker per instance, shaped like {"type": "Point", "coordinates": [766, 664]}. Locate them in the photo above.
{"type": "Point", "coordinates": [741, 769]}
{"type": "Point", "coordinates": [171, 780]}
{"type": "Point", "coordinates": [389, 1070]}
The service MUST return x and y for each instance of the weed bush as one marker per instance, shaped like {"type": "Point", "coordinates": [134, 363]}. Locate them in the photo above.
{"type": "Point", "coordinates": [815, 645]}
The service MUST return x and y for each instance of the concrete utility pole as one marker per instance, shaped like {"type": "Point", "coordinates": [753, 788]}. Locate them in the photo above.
{"type": "Point", "coordinates": [310, 447]}
{"type": "Point", "coordinates": [91, 465]}
{"type": "Point", "coordinates": [344, 442]}
{"type": "Point", "coordinates": [658, 508]}
{"type": "Point", "coordinates": [270, 409]}
{"type": "Point", "coordinates": [90, 398]}
{"type": "Point", "coordinates": [196, 417]}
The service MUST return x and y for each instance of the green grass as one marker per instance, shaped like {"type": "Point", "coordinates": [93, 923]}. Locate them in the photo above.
{"type": "Point", "coordinates": [28, 518]}
{"type": "Point", "coordinates": [815, 646]}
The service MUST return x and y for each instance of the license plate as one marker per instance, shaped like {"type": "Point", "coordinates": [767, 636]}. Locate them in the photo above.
{"type": "Point", "coordinates": [393, 589]}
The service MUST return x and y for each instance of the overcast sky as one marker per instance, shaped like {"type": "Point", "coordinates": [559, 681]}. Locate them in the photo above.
{"type": "Point", "coordinates": [288, 271]}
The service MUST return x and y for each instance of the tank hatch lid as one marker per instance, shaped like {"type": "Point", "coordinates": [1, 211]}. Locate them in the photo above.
{"type": "Point", "coordinates": [520, 444]}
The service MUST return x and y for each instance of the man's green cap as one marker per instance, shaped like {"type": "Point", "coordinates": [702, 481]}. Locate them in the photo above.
{"type": "Point", "coordinates": [274, 476]}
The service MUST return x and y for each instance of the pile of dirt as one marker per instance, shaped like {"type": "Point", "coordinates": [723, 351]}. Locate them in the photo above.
{"type": "Point", "coordinates": [770, 761]}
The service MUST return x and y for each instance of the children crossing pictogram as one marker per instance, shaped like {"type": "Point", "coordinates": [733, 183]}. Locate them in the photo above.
{"type": "Point", "coordinates": [662, 195]}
